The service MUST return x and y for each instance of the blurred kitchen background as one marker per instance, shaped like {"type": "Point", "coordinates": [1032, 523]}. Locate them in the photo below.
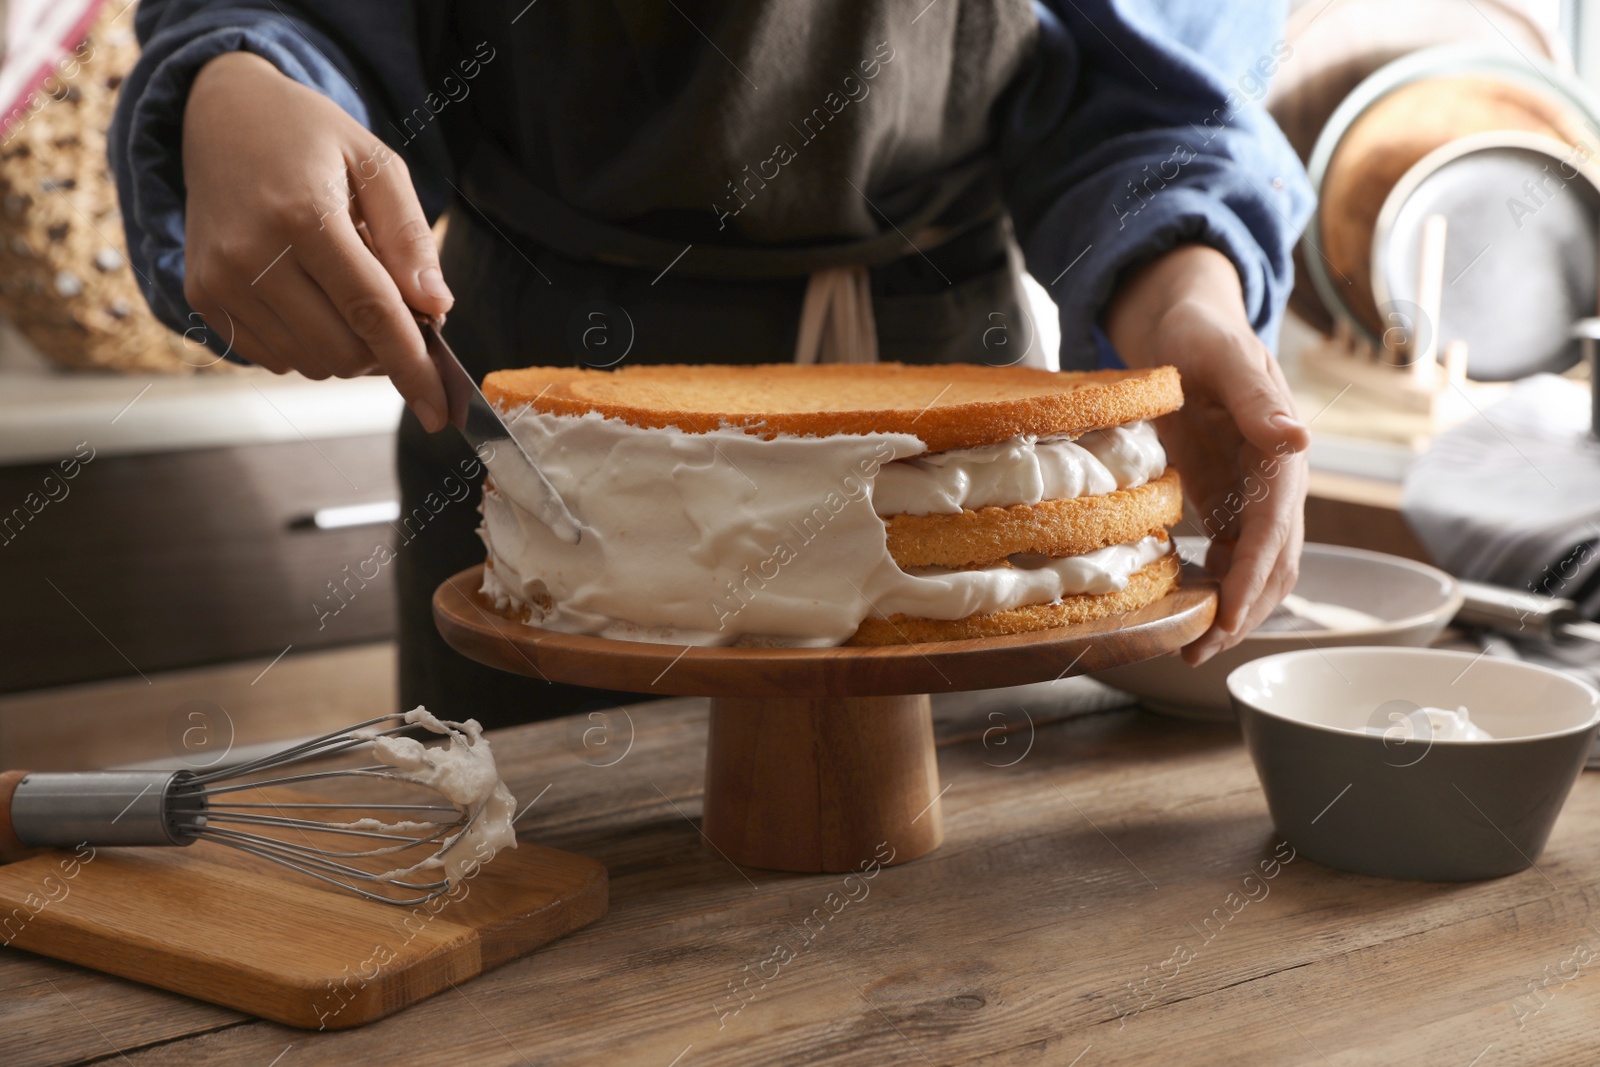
{"type": "Point", "coordinates": [214, 513]}
{"type": "Point", "coordinates": [210, 507]}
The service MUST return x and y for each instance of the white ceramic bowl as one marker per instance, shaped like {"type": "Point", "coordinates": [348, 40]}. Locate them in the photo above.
{"type": "Point", "coordinates": [1413, 600]}
{"type": "Point", "coordinates": [1394, 801]}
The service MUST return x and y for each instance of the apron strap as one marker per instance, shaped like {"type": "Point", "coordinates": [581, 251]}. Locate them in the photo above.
{"type": "Point", "coordinates": [836, 321]}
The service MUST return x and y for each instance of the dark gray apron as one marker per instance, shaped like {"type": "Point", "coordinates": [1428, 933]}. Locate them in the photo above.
{"type": "Point", "coordinates": [536, 284]}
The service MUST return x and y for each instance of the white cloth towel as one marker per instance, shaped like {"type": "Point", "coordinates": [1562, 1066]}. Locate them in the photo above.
{"type": "Point", "coordinates": [1512, 496]}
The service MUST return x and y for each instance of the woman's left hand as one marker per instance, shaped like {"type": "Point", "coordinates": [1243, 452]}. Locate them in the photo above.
{"type": "Point", "coordinates": [1237, 442]}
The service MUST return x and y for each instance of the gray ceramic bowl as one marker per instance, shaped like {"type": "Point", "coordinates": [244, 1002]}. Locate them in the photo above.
{"type": "Point", "coordinates": [1412, 602]}
{"type": "Point", "coordinates": [1398, 807]}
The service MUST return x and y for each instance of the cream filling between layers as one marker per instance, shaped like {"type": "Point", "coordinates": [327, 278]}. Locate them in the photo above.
{"type": "Point", "coordinates": [1023, 470]}
{"type": "Point", "coordinates": [726, 537]}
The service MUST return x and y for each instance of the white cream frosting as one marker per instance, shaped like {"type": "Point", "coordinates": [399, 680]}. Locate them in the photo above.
{"type": "Point", "coordinates": [1023, 470]}
{"type": "Point", "coordinates": [464, 773]}
{"type": "Point", "coordinates": [727, 537]}
{"type": "Point", "coordinates": [1029, 580]}
{"type": "Point", "coordinates": [1442, 725]}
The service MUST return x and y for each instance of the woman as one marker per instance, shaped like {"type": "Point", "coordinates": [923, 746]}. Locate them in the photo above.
{"type": "Point", "coordinates": [729, 182]}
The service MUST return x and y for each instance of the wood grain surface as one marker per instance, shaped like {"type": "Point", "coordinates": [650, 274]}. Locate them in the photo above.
{"type": "Point", "coordinates": [821, 784]}
{"type": "Point", "coordinates": [1045, 930]}
{"type": "Point", "coordinates": [1360, 513]}
{"type": "Point", "coordinates": [242, 932]}
{"type": "Point", "coordinates": [467, 620]}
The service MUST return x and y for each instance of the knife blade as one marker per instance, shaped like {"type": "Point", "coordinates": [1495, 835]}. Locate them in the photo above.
{"type": "Point", "coordinates": [515, 473]}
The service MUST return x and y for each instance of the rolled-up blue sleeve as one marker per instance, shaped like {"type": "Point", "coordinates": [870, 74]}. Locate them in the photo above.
{"type": "Point", "coordinates": [178, 37]}
{"type": "Point", "coordinates": [1139, 127]}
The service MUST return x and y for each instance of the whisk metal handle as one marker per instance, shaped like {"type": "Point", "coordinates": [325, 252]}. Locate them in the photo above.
{"type": "Point", "coordinates": [106, 808]}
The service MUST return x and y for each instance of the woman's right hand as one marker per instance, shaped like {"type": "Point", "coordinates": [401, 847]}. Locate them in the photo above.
{"type": "Point", "coordinates": [277, 175]}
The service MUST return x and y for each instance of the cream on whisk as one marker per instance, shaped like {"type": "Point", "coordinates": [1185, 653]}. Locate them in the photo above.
{"type": "Point", "coordinates": [464, 773]}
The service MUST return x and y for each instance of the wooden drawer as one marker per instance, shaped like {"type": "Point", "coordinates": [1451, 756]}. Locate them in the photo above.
{"type": "Point", "coordinates": [150, 562]}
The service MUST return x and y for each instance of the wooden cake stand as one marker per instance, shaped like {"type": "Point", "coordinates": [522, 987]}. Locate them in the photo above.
{"type": "Point", "coordinates": [818, 756]}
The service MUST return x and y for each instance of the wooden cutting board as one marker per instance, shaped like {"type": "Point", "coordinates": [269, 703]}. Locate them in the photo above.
{"type": "Point", "coordinates": [226, 927]}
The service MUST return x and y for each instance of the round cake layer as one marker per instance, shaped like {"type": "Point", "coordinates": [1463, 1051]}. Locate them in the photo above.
{"type": "Point", "coordinates": [946, 406]}
{"type": "Point", "coordinates": [1072, 527]}
{"type": "Point", "coordinates": [1145, 586]}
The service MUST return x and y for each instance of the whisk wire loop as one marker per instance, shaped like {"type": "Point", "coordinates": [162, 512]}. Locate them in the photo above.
{"type": "Point", "coordinates": [357, 852]}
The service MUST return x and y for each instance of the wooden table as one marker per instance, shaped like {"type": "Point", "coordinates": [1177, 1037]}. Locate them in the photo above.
{"type": "Point", "coordinates": [1090, 906]}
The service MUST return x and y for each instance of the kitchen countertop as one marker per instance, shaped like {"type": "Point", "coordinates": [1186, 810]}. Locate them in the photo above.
{"type": "Point", "coordinates": [45, 411]}
{"type": "Point", "coordinates": [1045, 930]}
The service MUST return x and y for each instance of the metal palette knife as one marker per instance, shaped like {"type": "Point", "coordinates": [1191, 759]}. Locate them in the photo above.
{"type": "Point", "coordinates": [515, 473]}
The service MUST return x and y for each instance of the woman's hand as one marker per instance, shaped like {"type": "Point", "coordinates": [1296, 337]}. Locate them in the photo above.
{"type": "Point", "coordinates": [277, 174]}
{"type": "Point", "coordinates": [1236, 442]}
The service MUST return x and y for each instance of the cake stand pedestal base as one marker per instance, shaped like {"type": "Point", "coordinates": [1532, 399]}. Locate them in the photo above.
{"type": "Point", "coordinates": [822, 784]}
{"type": "Point", "coordinates": [819, 759]}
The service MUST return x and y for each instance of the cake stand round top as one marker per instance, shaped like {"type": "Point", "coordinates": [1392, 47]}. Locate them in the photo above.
{"type": "Point", "coordinates": [470, 624]}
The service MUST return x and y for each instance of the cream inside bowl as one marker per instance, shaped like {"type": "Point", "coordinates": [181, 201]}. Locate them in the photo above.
{"type": "Point", "coordinates": [1367, 765]}
{"type": "Point", "coordinates": [1351, 689]}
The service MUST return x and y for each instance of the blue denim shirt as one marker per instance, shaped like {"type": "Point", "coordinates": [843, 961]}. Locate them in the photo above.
{"type": "Point", "coordinates": [1138, 128]}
